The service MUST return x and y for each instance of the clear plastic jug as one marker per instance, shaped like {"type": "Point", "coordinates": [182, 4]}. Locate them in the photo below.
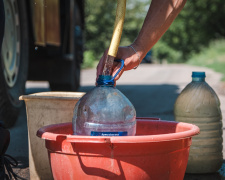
{"type": "Point", "coordinates": [198, 104]}
{"type": "Point", "coordinates": [104, 111]}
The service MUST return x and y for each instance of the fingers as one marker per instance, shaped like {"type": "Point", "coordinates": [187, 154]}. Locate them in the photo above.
{"type": "Point", "coordinates": [128, 55]}
{"type": "Point", "coordinates": [101, 64]}
{"type": "Point", "coordinates": [116, 69]}
{"type": "Point", "coordinates": [131, 60]}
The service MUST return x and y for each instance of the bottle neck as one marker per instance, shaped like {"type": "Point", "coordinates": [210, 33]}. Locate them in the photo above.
{"type": "Point", "coordinates": [105, 81]}
{"type": "Point", "coordinates": [198, 79]}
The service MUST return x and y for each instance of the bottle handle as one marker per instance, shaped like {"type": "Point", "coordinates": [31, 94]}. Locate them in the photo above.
{"type": "Point", "coordinates": [121, 67]}
{"type": "Point", "coordinates": [111, 81]}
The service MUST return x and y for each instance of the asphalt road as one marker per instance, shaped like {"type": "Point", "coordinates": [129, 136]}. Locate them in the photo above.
{"type": "Point", "coordinates": [152, 89]}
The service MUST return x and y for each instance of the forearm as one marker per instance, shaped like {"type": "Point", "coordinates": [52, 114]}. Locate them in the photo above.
{"type": "Point", "coordinates": [159, 17]}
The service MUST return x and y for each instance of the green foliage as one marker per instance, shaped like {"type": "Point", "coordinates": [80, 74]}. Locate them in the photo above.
{"type": "Point", "coordinates": [212, 57]}
{"type": "Point", "coordinates": [89, 59]}
{"type": "Point", "coordinates": [197, 24]}
{"type": "Point", "coordinates": [99, 23]}
{"type": "Point", "coordinates": [135, 15]}
{"type": "Point", "coordinates": [161, 51]}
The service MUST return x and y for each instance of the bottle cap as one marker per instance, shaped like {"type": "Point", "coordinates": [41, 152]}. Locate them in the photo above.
{"type": "Point", "coordinates": [105, 80]}
{"type": "Point", "coordinates": [198, 74]}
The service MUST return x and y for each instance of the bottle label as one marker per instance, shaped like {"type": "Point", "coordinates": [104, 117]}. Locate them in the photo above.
{"type": "Point", "coordinates": [121, 133]}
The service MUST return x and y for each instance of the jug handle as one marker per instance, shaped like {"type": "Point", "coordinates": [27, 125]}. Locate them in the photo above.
{"type": "Point", "coordinates": [121, 67]}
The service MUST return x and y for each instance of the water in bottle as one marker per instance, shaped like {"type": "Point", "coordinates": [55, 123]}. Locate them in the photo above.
{"type": "Point", "coordinates": [198, 104]}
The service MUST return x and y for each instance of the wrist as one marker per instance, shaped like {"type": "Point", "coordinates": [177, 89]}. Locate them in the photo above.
{"type": "Point", "coordinates": [137, 55]}
{"type": "Point", "coordinates": [141, 50]}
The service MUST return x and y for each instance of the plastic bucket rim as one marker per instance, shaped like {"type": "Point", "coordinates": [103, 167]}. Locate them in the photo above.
{"type": "Point", "coordinates": [194, 130]}
{"type": "Point", "coordinates": [53, 95]}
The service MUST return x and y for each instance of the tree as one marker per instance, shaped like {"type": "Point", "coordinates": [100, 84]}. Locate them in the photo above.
{"type": "Point", "coordinates": [99, 20]}
{"type": "Point", "coordinates": [197, 24]}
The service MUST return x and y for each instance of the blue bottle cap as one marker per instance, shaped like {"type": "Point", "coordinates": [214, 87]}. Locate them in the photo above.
{"type": "Point", "coordinates": [105, 80]}
{"type": "Point", "coordinates": [198, 74]}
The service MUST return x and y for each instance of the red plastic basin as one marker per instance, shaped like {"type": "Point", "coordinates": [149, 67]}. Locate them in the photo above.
{"type": "Point", "coordinates": [159, 150]}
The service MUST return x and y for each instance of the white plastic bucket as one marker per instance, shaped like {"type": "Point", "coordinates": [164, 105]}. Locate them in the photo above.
{"type": "Point", "coordinates": [43, 109]}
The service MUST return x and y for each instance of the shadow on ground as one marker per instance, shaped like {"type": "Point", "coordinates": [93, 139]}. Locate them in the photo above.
{"type": "Point", "coordinates": [149, 100]}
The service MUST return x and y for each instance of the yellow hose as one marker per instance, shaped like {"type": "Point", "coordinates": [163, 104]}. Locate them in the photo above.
{"type": "Point", "coordinates": [118, 27]}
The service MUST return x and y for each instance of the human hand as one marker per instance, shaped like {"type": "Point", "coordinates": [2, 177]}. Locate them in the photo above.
{"type": "Point", "coordinates": [131, 60]}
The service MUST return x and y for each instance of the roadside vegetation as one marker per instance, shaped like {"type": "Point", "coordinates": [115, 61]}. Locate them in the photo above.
{"type": "Point", "coordinates": [212, 57]}
{"type": "Point", "coordinates": [195, 37]}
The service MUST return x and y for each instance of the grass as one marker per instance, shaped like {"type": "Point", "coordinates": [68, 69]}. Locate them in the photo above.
{"type": "Point", "coordinates": [89, 60]}
{"type": "Point", "coordinates": [212, 57]}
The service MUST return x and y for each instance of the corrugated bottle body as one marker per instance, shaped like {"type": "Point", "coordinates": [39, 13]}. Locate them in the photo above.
{"type": "Point", "coordinates": [198, 104]}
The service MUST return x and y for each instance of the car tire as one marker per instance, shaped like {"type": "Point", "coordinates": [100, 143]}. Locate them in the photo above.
{"type": "Point", "coordinates": [13, 61]}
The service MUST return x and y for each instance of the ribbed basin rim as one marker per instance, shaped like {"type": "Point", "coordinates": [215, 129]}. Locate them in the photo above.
{"type": "Point", "coordinates": [45, 133]}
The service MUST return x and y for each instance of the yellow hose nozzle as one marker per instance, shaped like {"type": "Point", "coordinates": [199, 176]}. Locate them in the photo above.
{"type": "Point", "coordinates": [118, 27]}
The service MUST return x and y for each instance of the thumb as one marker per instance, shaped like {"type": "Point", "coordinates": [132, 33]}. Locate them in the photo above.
{"type": "Point", "coordinates": [101, 64]}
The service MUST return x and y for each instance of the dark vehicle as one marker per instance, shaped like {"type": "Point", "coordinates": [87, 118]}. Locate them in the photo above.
{"type": "Point", "coordinates": [42, 41]}
{"type": "Point", "coordinates": [148, 57]}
